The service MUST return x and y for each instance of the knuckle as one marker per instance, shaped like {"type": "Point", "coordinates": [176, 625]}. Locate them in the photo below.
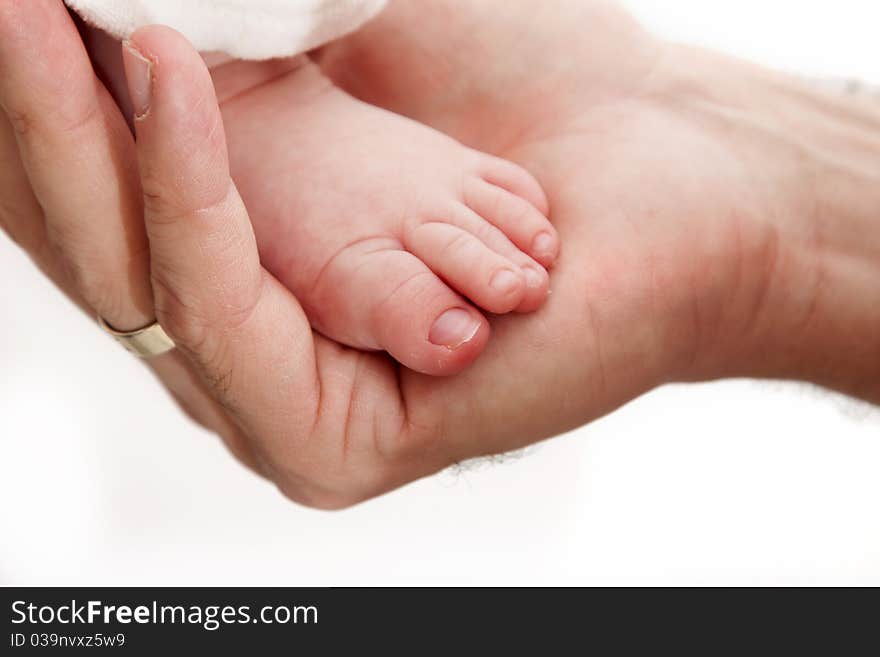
{"type": "Point", "coordinates": [66, 122]}
{"type": "Point", "coordinates": [200, 335]}
{"type": "Point", "coordinates": [158, 205]}
{"type": "Point", "coordinates": [110, 283]}
{"type": "Point", "coordinates": [193, 310]}
{"type": "Point", "coordinates": [170, 202]}
{"type": "Point", "coordinates": [21, 120]}
{"type": "Point", "coordinates": [179, 316]}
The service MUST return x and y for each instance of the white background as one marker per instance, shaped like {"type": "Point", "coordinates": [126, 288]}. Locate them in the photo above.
{"type": "Point", "coordinates": [730, 483]}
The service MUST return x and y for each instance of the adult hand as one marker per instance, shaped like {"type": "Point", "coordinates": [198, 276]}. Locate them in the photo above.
{"type": "Point", "coordinates": [70, 191]}
{"type": "Point", "coordinates": [331, 426]}
{"type": "Point", "coordinates": [717, 219]}
{"type": "Point", "coordinates": [157, 230]}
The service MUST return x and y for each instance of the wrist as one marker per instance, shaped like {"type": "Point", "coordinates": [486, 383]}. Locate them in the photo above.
{"type": "Point", "coordinates": [838, 343]}
{"type": "Point", "coordinates": [813, 214]}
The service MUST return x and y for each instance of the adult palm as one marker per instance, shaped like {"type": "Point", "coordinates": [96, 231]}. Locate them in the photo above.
{"type": "Point", "coordinates": [716, 217]}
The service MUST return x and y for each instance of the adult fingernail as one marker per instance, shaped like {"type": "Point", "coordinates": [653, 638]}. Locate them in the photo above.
{"type": "Point", "coordinates": [139, 72]}
{"type": "Point", "coordinates": [453, 328]}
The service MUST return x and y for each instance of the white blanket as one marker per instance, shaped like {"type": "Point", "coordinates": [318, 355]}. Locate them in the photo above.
{"type": "Point", "coordinates": [247, 29]}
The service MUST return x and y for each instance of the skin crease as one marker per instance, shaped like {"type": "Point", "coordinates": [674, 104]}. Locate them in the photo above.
{"type": "Point", "coordinates": [703, 237]}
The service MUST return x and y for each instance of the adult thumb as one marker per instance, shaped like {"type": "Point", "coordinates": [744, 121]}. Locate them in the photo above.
{"type": "Point", "coordinates": [246, 333]}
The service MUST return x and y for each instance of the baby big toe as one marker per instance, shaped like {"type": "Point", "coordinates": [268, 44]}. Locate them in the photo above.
{"type": "Point", "coordinates": [413, 315]}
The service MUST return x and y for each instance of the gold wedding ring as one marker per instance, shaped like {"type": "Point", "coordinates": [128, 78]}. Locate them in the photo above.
{"type": "Point", "coordinates": [146, 342]}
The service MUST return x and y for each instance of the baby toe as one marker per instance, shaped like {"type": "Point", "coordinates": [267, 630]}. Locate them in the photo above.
{"type": "Point", "coordinates": [515, 180]}
{"type": "Point", "coordinates": [468, 265]}
{"type": "Point", "coordinates": [536, 278]}
{"type": "Point", "coordinates": [377, 296]}
{"type": "Point", "coordinates": [422, 323]}
{"type": "Point", "coordinates": [517, 218]}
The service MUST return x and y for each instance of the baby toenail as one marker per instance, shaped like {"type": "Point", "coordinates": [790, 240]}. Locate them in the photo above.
{"type": "Point", "coordinates": [453, 328]}
{"type": "Point", "coordinates": [505, 281]}
{"type": "Point", "coordinates": [543, 245]}
{"type": "Point", "coordinates": [533, 277]}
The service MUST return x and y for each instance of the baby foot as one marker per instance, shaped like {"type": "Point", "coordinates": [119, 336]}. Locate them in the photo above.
{"type": "Point", "coordinates": [390, 234]}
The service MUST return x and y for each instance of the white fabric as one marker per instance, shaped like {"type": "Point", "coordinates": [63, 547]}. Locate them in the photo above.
{"type": "Point", "coordinates": [247, 29]}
